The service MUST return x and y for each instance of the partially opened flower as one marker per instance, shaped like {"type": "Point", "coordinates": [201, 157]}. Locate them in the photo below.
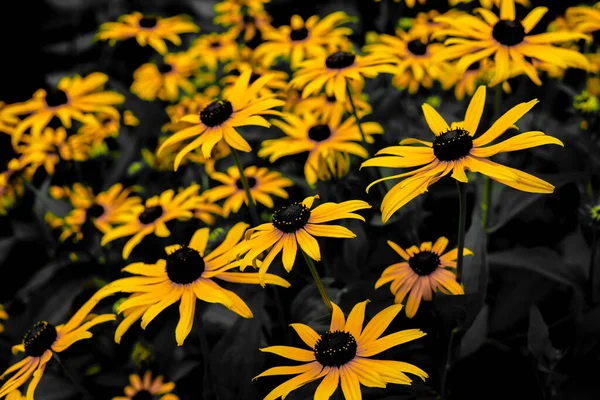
{"type": "Point", "coordinates": [275, 86]}
{"type": "Point", "coordinates": [242, 19]}
{"type": "Point", "coordinates": [42, 341]}
{"type": "Point", "coordinates": [456, 149]}
{"type": "Point", "coordinates": [584, 19]}
{"type": "Point", "coordinates": [141, 388]}
{"type": "Point", "coordinates": [342, 355]}
{"type": "Point", "coordinates": [422, 273]}
{"type": "Point", "coordinates": [214, 48]}
{"type": "Point", "coordinates": [184, 276]}
{"type": "Point", "coordinates": [147, 30]}
{"type": "Point", "coordinates": [325, 107]}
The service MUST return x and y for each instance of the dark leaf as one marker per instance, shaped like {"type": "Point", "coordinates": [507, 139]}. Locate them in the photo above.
{"type": "Point", "coordinates": [538, 339]}
{"type": "Point", "coordinates": [459, 308]}
{"type": "Point", "coordinates": [475, 267]}
{"type": "Point", "coordinates": [476, 335]}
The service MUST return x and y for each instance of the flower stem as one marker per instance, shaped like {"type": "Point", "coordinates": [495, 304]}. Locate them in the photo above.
{"type": "Point", "coordinates": [462, 219]}
{"type": "Point", "coordinates": [317, 279]}
{"type": "Point", "coordinates": [72, 378]}
{"type": "Point", "coordinates": [349, 91]}
{"type": "Point", "coordinates": [206, 381]}
{"type": "Point", "coordinates": [251, 204]}
{"type": "Point", "coordinates": [487, 182]}
{"type": "Point", "coordinates": [447, 365]}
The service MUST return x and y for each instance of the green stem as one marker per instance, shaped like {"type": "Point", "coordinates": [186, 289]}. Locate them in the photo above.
{"type": "Point", "coordinates": [317, 279]}
{"type": "Point", "coordinates": [349, 91]}
{"type": "Point", "coordinates": [485, 202]}
{"type": "Point", "coordinates": [72, 378]}
{"type": "Point", "coordinates": [208, 393]}
{"type": "Point", "coordinates": [251, 204]}
{"type": "Point", "coordinates": [447, 366]}
{"type": "Point", "coordinates": [462, 219]}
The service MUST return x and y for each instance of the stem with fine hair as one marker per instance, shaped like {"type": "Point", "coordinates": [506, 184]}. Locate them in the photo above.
{"type": "Point", "coordinates": [317, 279]}
{"type": "Point", "coordinates": [462, 219]}
{"type": "Point", "coordinates": [72, 378]}
{"type": "Point", "coordinates": [349, 91]}
{"type": "Point", "coordinates": [251, 204]}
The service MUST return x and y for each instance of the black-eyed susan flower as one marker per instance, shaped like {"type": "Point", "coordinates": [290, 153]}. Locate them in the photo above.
{"type": "Point", "coordinates": [342, 355]}
{"type": "Point", "coordinates": [584, 19]}
{"type": "Point", "coordinates": [241, 18]}
{"type": "Point", "coordinates": [317, 136]}
{"type": "Point", "coordinates": [422, 273]}
{"type": "Point", "coordinates": [146, 387]}
{"type": "Point", "coordinates": [456, 149]}
{"type": "Point", "coordinates": [334, 71]}
{"type": "Point", "coordinates": [188, 105]}
{"type": "Point", "coordinates": [151, 217]}
{"type": "Point", "coordinates": [3, 317]}
{"type": "Point", "coordinates": [15, 395]}
{"type": "Point", "coordinates": [508, 40]}
{"type": "Point", "coordinates": [488, 3]}
{"type": "Point", "coordinates": [409, 3]}
{"type": "Point", "coordinates": [214, 48]}
{"type": "Point", "coordinates": [326, 106]}
{"type": "Point", "coordinates": [275, 86]}
{"type": "Point", "coordinates": [167, 80]}
{"type": "Point", "coordinates": [7, 122]}
{"type": "Point", "coordinates": [293, 225]}
{"type": "Point", "coordinates": [262, 182]}
{"type": "Point", "coordinates": [467, 82]}
{"type": "Point", "coordinates": [42, 341]}
{"type": "Point", "coordinates": [302, 40]}
{"type": "Point", "coordinates": [332, 166]}
{"type": "Point", "coordinates": [147, 30]}
{"type": "Point", "coordinates": [218, 121]}
{"type": "Point", "coordinates": [73, 98]}
{"type": "Point", "coordinates": [97, 128]}
{"type": "Point", "coordinates": [185, 275]}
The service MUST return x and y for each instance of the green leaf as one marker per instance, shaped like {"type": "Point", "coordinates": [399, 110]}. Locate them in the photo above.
{"type": "Point", "coordinates": [476, 335]}
{"type": "Point", "coordinates": [462, 308]}
{"type": "Point", "coordinates": [475, 268]}
{"type": "Point", "coordinates": [538, 339]}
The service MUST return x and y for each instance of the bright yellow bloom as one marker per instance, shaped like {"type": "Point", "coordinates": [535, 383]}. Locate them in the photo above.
{"type": "Point", "coordinates": [214, 48]}
{"type": "Point", "coordinates": [7, 122]}
{"type": "Point", "coordinates": [409, 3]}
{"type": "Point", "coordinates": [147, 388]}
{"type": "Point", "coordinates": [275, 86]}
{"type": "Point", "coordinates": [187, 105]}
{"type": "Point", "coordinates": [325, 106]}
{"type": "Point", "coordinates": [15, 395]}
{"type": "Point", "coordinates": [584, 19]}
{"type": "Point", "coordinates": [342, 355]}
{"type": "Point", "coordinates": [3, 316]}
{"type": "Point", "coordinates": [241, 18]}
{"type": "Point", "coordinates": [96, 128]}
{"type": "Point", "coordinates": [488, 3]}
{"type": "Point", "coordinates": [332, 166]}
{"type": "Point", "coordinates": [147, 30]}
{"type": "Point", "coordinates": [454, 150]}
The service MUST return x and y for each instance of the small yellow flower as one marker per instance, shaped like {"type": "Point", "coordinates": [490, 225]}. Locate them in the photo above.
{"type": "Point", "coordinates": [148, 388]}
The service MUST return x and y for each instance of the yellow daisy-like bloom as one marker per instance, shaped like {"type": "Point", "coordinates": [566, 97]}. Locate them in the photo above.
{"type": "Point", "coordinates": [188, 105]}
{"type": "Point", "coordinates": [185, 275]}
{"type": "Point", "coordinates": [302, 40]}
{"type": "Point", "coordinates": [342, 355]}
{"type": "Point", "coordinates": [151, 217]}
{"type": "Point", "coordinates": [241, 18]}
{"type": "Point", "coordinates": [166, 80]}
{"type": "Point", "coordinates": [584, 19]}
{"type": "Point", "coordinates": [73, 98]}
{"type": "Point", "coordinates": [275, 86]}
{"type": "Point", "coordinates": [97, 128]}
{"type": "Point", "coordinates": [455, 149]}
{"type": "Point", "coordinates": [42, 341]}
{"type": "Point", "coordinates": [7, 122]}
{"type": "Point", "coordinates": [214, 48]}
{"type": "Point", "coordinates": [422, 273]}
{"type": "Point", "coordinates": [147, 388]}
{"type": "Point", "coordinates": [479, 72]}
{"type": "Point", "coordinates": [3, 316]}
{"type": "Point", "coordinates": [147, 30]}
{"type": "Point", "coordinates": [326, 106]}
{"type": "Point", "coordinates": [317, 136]}
{"type": "Point", "coordinates": [409, 3]}
{"type": "Point", "coordinates": [293, 225]}
{"type": "Point", "coordinates": [333, 166]}
{"type": "Point", "coordinates": [11, 187]}
{"type": "Point", "coordinates": [262, 182]}
{"type": "Point", "coordinates": [218, 121]}
{"type": "Point", "coordinates": [15, 395]}
{"type": "Point", "coordinates": [508, 40]}
{"type": "Point", "coordinates": [335, 71]}
{"type": "Point", "coordinates": [488, 3]}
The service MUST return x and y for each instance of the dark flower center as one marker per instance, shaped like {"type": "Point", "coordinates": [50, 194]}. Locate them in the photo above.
{"type": "Point", "coordinates": [424, 263]}
{"type": "Point", "coordinates": [184, 265]}
{"type": "Point", "coordinates": [216, 113]}
{"type": "Point", "coordinates": [331, 99]}
{"type": "Point", "coordinates": [56, 97]}
{"type": "Point", "coordinates": [318, 133]}
{"type": "Point", "coordinates": [235, 72]}
{"type": "Point", "coordinates": [142, 395]}
{"type": "Point", "coordinates": [254, 77]}
{"type": "Point", "coordinates": [150, 214]}
{"type": "Point", "coordinates": [148, 22]}
{"type": "Point", "coordinates": [215, 45]}
{"type": "Point", "coordinates": [165, 68]}
{"type": "Point", "coordinates": [340, 60]}
{"type": "Point", "coordinates": [475, 66]}
{"type": "Point", "coordinates": [299, 34]}
{"type": "Point", "coordinates": [291, 218]}
{"type": "Point", "coordinates": [334, 349]}
{"type": "Point", "coordinates": [508, 33]}
{"type": "Point", "coordinates": [95, 211]}
{"type": "Point", "coordinates": [248, 19]}
{"type": "Point", "coordinates": [251, 183]}
{"type": "Point", "coordinates": [39, 338]}
{"type": "Point", "coordinates": [417, 47]}
{"type": "Point", "coordinates": [452, 145]}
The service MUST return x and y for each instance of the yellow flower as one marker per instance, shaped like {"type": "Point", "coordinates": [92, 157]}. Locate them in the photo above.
{"type": "Point", "coordinates": [218, 121]}
{"type": "Point", "coordinates": [241, 18]}
{"type": "Point", "coordinates": [275, 86]}
{"type": "Point", "coordinates": [15, 395]}
{"type": "Point", "coordinates": [409, 3]}
{"type": "Point", "coordinates": [42, 341]}
{"type": "Point", "coordinates": [147, 388]}
{"type": "Point", "coordinates": [293, 225]}
{"type": "Point", "coordinates": [3, 316]}
{"type": "Point", "coordinates": [454, 150]}
{"type": "Point", "coordinates": [7, 122]}
{"type": "Point", "coordinates": [586, 102]}
{"type": "Point", "coordinates": [317, 136]}
{"type": "Point", "coordinates": [166, 80]}
{"type": "Point", "coordinates": [96, 128]}
{"type": "Point", "coordinates": [185, 275]}
{"type": "Point", "coordinates": [584, 19]}
{"type": "Point", "coordinates": [508, 40]}
{"type": "Point", "coordinates": [187, 105]}
{"type": "Point", "coordinates": [332, 166]}
{"type": "Point", "coordinates": [147, 30]}
{"type": "Point", "coordinates": [422, 273]}
{"type": "Point", "coordinates": [326, 106]}
{"type": "Point", "coordinates": [489, 3]}
{"type": "Point", "coordinates": [73, 98]}
{"type": "Point", "coordinates": [214, 48]}
{"type": "Point", "coordinates": [342, 355]}
{"type": "Point", "coordinates": [302, 40]}
{"type": "Point", "coordinates": [261, 181]}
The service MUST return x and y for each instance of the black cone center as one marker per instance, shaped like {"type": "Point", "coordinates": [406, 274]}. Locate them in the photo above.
{"type": "Point", "coordinates": [142, 395]}
{"type": "Point", "coordinates": [39, 338]}
{"type": "Point", "coordinates": [424, 263]}
{"type": "Point", "coordinates": [331, 99]}
{"type": "Point", "coordinates": [184, 266]}
{"type": "Point", "coordinates": [340, 59]}
{"type": "Point", "coordinates": [251, 183]}
{"type": "Point", "coordinates": [150, 215]}
{"type": "Point", "coordinates": [291, 218]}
{"type": "Point", "coordinates": [215, 45]}
{"type": "Point", "coordinates": [165, 68]}
{"type": "Point", "coordinates": [254, 77]}
{"type": "Point", "coordinates": [475, 66]}
{"type": "Point", "coordinates": [417, 47]}
{"type": "Point", "coordinates": [95, 211]}
{"type": "Point", "coordinates": [299, 34]}
{"type": "Point", "coordinates": [334, 349]}
{"type": "Point", "coordinates": [56, 97]}
{"type": "Point", "coordinates": [318, 133]}
{"type": "Point", "coordinates": [148, 22]}
{"type": "Point", "coordinates": [508, 33]}
{"type": "Point", "coordinates": [452, 145]}
{"type": "Point", "coordinates": [216, 113]}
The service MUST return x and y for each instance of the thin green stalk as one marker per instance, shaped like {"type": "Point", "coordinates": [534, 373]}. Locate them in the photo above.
{"type": "Point", "coordinates": [486, 200]}
{"type": "Point", "coordinates": [349, 91]}
{"type": "Point", "coordinates": [317, 279]}
{"type": "Point", "coordinates": [462, 219]}
{"type": "Point", "coordinates": [447, 365]}
{"type": "Point", "coordinates": [251, 204]}
{"type": "Point", "coordinates": [72, 378]}
{"type": "Point", "coordinates": [208, 393]}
